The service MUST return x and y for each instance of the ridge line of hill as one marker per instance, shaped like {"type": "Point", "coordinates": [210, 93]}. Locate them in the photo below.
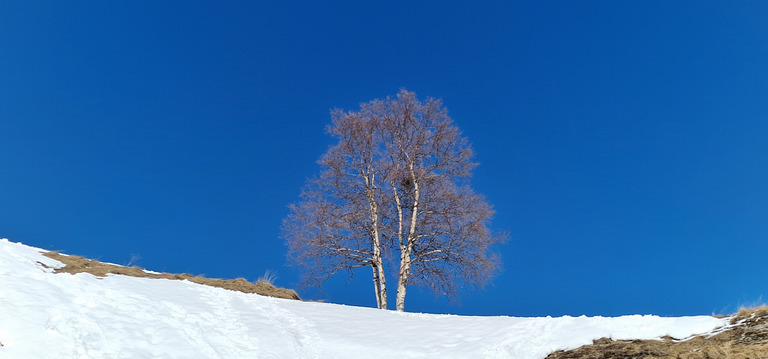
{"type": "Point", "coordinates": [77, 264]}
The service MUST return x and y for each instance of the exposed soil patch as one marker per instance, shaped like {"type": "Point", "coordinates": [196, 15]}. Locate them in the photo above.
{"type": "Point", "coordinates": [77, 264]}
{"type": "Point", "coordinates": [746, 338]}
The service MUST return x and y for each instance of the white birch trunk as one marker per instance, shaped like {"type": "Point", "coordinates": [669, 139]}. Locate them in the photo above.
{"type": "Point", "coordinates": [402, 283]}
{"type": "Point", "coordinates": [376, 286]}
{"type": "Point", "coordinates": [407, 247]}
{"type": "Point", "coordinates": [381, 283]}
{"type": "Point", "coordinates": [400, 299]}
{"type": "Point", "coordinates": [379, 279]}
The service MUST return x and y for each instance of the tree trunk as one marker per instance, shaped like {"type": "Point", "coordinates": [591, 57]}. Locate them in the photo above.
{"type": "Point", "coordinates": [379, 279]}
{"type": "Point", "coordinates": [405, 250]}
{"type": "Point", "coordinates": [376, 287]}
{"type": "Point", "coordinates": [402, 283]}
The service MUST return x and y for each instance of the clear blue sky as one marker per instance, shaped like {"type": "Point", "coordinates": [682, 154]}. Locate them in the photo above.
{"type": "Point", "coordinates": [624, 145]}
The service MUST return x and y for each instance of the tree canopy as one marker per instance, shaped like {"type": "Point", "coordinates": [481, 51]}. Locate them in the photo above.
{"type": "Point", "coordinates": [394, 191]}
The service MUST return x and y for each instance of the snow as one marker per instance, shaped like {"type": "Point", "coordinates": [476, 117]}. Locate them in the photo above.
{"type": "Point", "coordinates": [47, 315]}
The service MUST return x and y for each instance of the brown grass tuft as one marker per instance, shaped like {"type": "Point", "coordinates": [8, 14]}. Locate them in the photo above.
{"type": "Point", "coordinates": [77, 264]}
{"type": "Point", "coordinates": [747, 340]}
{"type": "Point", "coordinates": [746, 313]}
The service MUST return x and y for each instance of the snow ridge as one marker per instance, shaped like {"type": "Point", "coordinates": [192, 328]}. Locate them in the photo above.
{"type": "Point", "coordinates": [47, 315]}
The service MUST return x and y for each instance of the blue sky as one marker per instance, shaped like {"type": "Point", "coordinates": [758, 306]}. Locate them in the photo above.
{"type": "Point", "coordinates": [622, 144]}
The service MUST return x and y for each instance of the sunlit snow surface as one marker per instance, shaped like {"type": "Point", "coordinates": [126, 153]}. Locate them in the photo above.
{"type": "Point", "coordinates": [47, 315]}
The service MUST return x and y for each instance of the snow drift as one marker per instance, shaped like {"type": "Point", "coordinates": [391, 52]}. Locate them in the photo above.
{"type": "Point", "coordinates": [47, 315]}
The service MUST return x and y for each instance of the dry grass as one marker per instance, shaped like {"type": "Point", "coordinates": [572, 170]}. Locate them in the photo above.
{"type": "Point", "coordinates": [746, 339]}
{"type": "Point", "coordinates": [76, 264]}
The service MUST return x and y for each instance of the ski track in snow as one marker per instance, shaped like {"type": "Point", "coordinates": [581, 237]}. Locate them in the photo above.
{"type": "Point", "coordinates": [47, 315]}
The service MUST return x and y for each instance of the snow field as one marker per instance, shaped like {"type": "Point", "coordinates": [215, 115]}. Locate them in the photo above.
{"type": "Point", "coordinates": [47, 315]}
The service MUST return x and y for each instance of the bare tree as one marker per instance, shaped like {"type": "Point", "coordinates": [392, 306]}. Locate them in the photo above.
{"type": "Point", "coordinates": [337, 225]}
{"type": "Point", "coordinates": [397, 179]}
{"type": "Point", "coordinates": [441, 230]}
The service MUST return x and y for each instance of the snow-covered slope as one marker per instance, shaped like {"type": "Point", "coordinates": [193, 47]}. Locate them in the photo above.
{"type": "Point", "coordinates": [47, 315]}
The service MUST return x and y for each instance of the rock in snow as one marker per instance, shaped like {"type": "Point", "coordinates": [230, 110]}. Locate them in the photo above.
{"type": "Point", "coordinates": [47, 315]}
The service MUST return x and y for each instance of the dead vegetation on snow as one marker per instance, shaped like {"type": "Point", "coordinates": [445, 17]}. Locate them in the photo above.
{"type": "Point", "coordinates": [77, 264]}
{"type": "Point", "coordinates": [745, 338]}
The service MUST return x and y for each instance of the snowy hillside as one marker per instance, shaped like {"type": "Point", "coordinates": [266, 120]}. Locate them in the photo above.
{"type": "Point", "coordinates": [47, 315]}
